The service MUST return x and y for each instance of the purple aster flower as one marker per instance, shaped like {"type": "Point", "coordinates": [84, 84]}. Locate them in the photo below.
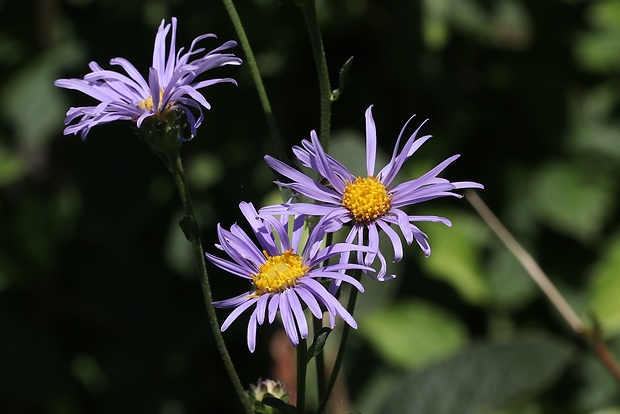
{"type": "Point", "coordinates": [370, 203]}
{"type": "Point", "coordinates": [171, 85]}
{"type": "Point", "coordinates": [285, 277]}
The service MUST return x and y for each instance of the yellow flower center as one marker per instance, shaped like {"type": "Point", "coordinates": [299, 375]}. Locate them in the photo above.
{"type": "Point", "coordinates": [279, 273]}
{"type": "Point", "coordinates": [148, 102]}
{"type": "Point", "coordinates": [366, 198]}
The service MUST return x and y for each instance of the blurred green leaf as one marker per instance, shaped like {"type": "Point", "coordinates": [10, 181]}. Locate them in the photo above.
{"type": "Point", "coordinates": [593, 126]}
{"type": "Point", "coordinates": [31, 102]}
{"type": "Point", "coordinates": [598, 387]}
{"type": "Point", "coordinates": [12, 167]}
{"type": "Point", "coordinates": [412, 333]}
{"type": "Point", "coordinates": [481, 378]}
{"type": "Point", "coordinates": [511, 286]}
{"type": "Point", "coordinates": [203, 171]}
{"type": "Point", "coordinates": [178, 252]}
{"type": "Point", "coordinates": [528, 407]}
{"type": "Point", "coordinates": [456, 255]}
{"type": "Point", "coordinates": [348, 147]}
{"type": "Point", "coordinates": [572, 198]}
{"type": "Point", "coordinates": [604, 288]}
{"type": "Point", "coordinates": [597, 50]}
{"type": "Point", "coordinates": [608, 410]}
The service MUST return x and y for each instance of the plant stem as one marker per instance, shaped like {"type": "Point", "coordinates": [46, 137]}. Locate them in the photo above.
{"type": "Point", "coordinates": [258, 82]}
{"type": "Point", "coordinates": [192, 232]}
{"type": "Point", "coordinates": [314, 31]}
{"type": "Point", "coordinates": [302, 364]}
{"type": "Point", "coordinates": [319, 361]}
{"type": "Point", "coordinates": [528, 262]}
{"type": "Point", "coordinates": [593, 337]}
{"type": "Point", "coordinates": [341, 348]}
{"type": "Point", "coordinates": [317, 324]}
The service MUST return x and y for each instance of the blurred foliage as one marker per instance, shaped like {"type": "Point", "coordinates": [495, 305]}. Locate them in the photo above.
{"type": "Point", "coordinates": [100, 306]}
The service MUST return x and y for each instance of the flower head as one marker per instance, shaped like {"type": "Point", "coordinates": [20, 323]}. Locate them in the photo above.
{"type": "Point", "coordinates": [266, 388]}
{"type": "Point", "coordinates": [370, 203]}
{"type": "Point", "coordinates": [171, 85]}
{"type": "Point", "coordinates": [285, 276]}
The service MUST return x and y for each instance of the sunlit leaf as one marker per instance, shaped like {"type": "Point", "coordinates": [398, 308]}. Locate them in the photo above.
{"type": "Point", "coordinates": [456, 254]}
{"type": "Point", "coordinates": [573, 199]}
{"type": "Point", "coordinates": [604, 289]}
{"type": "Point", "coordinates": [412, 333]}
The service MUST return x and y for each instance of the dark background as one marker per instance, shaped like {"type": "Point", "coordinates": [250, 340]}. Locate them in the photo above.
{"type": "Point", "coordinates": [100, 304]}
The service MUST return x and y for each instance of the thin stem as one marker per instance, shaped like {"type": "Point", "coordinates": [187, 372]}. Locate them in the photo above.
{"type": "Point", "coordinates": [528, 262]}
{"type": "Point", "coordinates": [314, 31]}
{"type": "Point", "coordinates": [341, 348]}
{"type": "Point", "coordinates": [606, 357]}
{"type": "Point", "coordinates": [258, 82]}
{"type": "Point", "coordinates": [302, 365]}
{"type": "Point", "coordinates": [190, 228]}
{"type": "Point", "coordinates": [593, 337]}
{"type": "Point", "coordinates": [319, 361]}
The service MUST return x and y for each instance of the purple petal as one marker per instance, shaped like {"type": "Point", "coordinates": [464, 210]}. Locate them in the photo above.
{"type": "Point", "coordinates": [371, 143]}
{"type": "Point", "coordinates": [236, 312]}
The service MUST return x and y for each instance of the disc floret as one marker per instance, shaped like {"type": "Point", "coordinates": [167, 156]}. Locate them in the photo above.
{"type": "Point", "coordinates": [367, 199]}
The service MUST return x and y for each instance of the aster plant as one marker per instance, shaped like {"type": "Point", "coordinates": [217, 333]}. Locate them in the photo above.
{"type": "Point", "coordinates": [171, 85]}
{"type": "Point", "coordinates": [166, 110]}
{"type": "Point", "coordinates": [285, 273]}
{"type": "Point", "coordinates": [369, 204]}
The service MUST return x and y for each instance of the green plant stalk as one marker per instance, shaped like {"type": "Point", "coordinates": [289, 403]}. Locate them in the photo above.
{"type": "Point", "coordinates": [258, 82]}
{"type": "Point", "coordinates": [319, 361]}
{"type": "Point", "coordinates": [325, 91]}
{"type": "Point", "coordinates": [302, 364]}
{"type": "Point", "coordinates": [317, 324]}
{"type": "Point", "coordinates": [341, 348]}
{"type": "Point", "coordinates": [191, 230]}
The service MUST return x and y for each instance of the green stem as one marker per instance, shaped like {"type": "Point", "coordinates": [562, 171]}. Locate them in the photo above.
{"type": "Point", "coordinates": [260, 87]}
{"type": "Point", "coordinates": [302, 364]}
{"type": "Point", "coordinates": [341, 348]}
{"type": "Point", "coordinates": [317, 324]}
{"type": "Point", "coordinates": [190, 228]}
{"type": "Point", "coordinates": [314, 31]}
{"type": "Point", "coordinates": [319, 361]}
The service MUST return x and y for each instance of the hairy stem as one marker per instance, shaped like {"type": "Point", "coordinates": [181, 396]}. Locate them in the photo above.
{"type": "Point", "coordinates": [302, 365]}
{"type": "Point", "coordinates": [192, 232]}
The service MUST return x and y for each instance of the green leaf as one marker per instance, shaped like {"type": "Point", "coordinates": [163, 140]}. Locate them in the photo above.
{"type": "Point", "coordinates": [573, 198]}
{"type": "Point", "coordinates": [319, 342]}
{"type": "Point", "coordinates": [12, 167]}
{"type": "Point", "coordinates": [607, 410]}
{"type": "Point", "coordinates": [279, 405]}
{"type": "Point", "coordinates": [31, 102]}
{"type": "Point", "coordinates": [481, 378]}
{"type": "Point", "coordinates": [604, 288]}
{"type": "Point", "coordinates": [344, 79]}
{"type": "Point", "coordinates": [412, 333]}
{"type": "Point", "coordinates": [512, 287]}
{"type": "Point", "coordinates": [456, 254]}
